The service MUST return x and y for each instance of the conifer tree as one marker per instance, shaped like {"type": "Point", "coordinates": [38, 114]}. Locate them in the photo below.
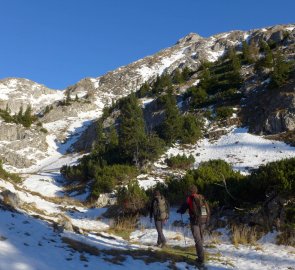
{"type": "Point", "coordinates": [170, 129]}
{"type": "Point", "coordinates": [281, 70]}
{"type": "Point", "coordinates": [177, 78]}
{"type": "Point", "coordinates": [68, 98]}
{"type": "Point", "coordinates": [235, 67]}
{"type": "Point", "coordinates": [186, 73]}
{"type": "Point", "coordinates": [246, 51]}
{"type": "Point", "coordinates": [27, 118]}
{"type": "Point", "coordinates": [19, 116]}
{"type": "Point", "coordinates": [267, 60]}
{"type": "Point", "coordinates": [144, 90]}
{"type": "Point", "coordinates": [132, 130]}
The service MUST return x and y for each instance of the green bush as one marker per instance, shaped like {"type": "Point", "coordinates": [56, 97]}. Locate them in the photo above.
{"type": "Point", "coordinates": [209, 178]}
{"type": "Point", "coordinates": [278, 176]}
{"type": "Point", "coordinates": [224, 112]}
{"type": "Point", "coordinates": [24, 118]}
{"type": "Point", "coordinates": [107, 177]}
{"type": "Point", "coordinates": [180, 162]}
{"type": "Point", "coordinates": [131, 198]}
{"type": "Point", "coordinates": [191, 129]}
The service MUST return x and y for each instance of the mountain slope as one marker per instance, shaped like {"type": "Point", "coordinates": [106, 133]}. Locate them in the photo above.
{"type": "Point", "coordinates": [32, 236]}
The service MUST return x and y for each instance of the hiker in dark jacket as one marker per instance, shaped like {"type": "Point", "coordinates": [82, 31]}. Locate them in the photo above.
{"type": "Point", "coordinates": [159, 210]}
{"type": "Point", "coordinates": [199, 213]}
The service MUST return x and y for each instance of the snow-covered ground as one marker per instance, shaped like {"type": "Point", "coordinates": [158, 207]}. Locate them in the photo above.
{"type": "Point", "coordinates": [241, 149]}
{"type": "Point", "coordinates": [29, 244]}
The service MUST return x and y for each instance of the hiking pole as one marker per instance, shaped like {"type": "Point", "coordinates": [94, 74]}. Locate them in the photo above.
{"type": "Point", "coordinates": [183, 231]}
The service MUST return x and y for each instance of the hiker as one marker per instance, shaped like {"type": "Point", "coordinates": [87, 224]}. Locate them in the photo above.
{"type": "Point", "coordinates": [199, 213]}
{"type": "Point", "coordinates": [159, 210]}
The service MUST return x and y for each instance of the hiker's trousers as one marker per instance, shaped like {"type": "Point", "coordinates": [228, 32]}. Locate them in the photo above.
{"type": "Point", "coordinates": [198, 233]}
{"type": "Point", "coordinates": [159, 226]}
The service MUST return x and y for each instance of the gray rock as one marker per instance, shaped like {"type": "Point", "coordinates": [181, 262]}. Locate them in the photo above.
{"type": "Point", "coordinates": [62, 224]}
{"type": "Point", "coordinates": [106, 199]}
{"type": "Point", "coordinates": [10, 198]}
{"type": "Point", "coordinates": [277, 36]}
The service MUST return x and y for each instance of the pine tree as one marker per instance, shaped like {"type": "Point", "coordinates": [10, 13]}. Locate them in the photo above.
{"type": "Point", "coordinates": [186, 74]}
{"type": "Point", "coordinates": [246, 51]}
{"type": "Point", "coordinates": [235, 67]}
{"type": "Point", "coordinates": [250, 52]}
{"type": "Point", "coordinates": [267, 60]}
{"type": "Point", "coordinates": [162, 83]}
{"type": "Point", "coordinates": [199, 96]}
{"type": "Point", "coordinates": [235, 63]}
{"type": "Point", "coordinates": [144, 90]}
{"type": "Point", "coordinates": [100, 143]}
{"type": "Point", "coordinates": [68, 98]}
{"type": "Point", "coordinates": [191, 131]}
{"type": "Point", "coordinates": [132, 130]}
{"type": "Point", "coordinates": [19, 116]}
{"type": "Point", "coordinates": [170, 129]}
{"type": "Point", "coordinates": [27, 118]}
{"type": "Point", "coordinates": [205, 79]}
{"type": "Point", "coordinates": [177, 78]}
{"type": "Point", "coordinates": [281, 70]}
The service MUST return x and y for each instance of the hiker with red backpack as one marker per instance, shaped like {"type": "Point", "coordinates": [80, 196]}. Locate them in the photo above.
{"type": "Point", "coordinates": [199, 213]}
{"type": "Point", "coordinates": [159, 210]}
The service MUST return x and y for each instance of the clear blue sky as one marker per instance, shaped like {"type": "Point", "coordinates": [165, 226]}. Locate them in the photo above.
{"type": "Point", "coordinates": [59, 42]}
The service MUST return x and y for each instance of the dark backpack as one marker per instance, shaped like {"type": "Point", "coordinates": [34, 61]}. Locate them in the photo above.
{"type": "Point", "coordinates": [199, 209]}
{"type": "Point", "coordinates": [160, 208]}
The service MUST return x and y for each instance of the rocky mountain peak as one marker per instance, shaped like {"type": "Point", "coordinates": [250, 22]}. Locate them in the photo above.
{"type": "Point", "coordinates": [191, 37]}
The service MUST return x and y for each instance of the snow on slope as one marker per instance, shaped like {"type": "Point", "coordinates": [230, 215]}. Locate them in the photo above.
{"type": "Point", "coordinates": [240, 148]}
{"type": "Point", "coordinates": [29, 244]}
{"type": "Point", "coordinates": [28, 92]}
{"type": "Point", "coordinates": [148, 72]}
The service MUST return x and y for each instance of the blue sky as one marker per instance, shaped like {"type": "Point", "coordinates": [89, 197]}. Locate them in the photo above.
{"type": "Point", "coordinates": [59, 42]}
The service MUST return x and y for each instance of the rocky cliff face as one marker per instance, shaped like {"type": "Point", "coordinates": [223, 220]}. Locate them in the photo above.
{"type": "Point", "coordinates": [275, 115]}
{"type": "Point", "coordinates": [15, 92]}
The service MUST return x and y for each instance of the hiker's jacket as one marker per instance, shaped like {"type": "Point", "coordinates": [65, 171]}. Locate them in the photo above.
{"type": "Point", "coordinates": [153, 208]}
{"type": "Point", "coordinates": [188, 204]}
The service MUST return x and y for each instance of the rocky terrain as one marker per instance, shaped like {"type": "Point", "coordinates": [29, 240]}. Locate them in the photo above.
{"type": "Point", "coordinates": [56, 218]}
{"type": "Point", "coordinates": [95, 93]}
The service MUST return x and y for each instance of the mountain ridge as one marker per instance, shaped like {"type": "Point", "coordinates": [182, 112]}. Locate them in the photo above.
{"type": "Point", "coordinates": [94, 94]}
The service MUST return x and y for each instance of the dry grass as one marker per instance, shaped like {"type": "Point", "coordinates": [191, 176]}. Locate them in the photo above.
{"type": "Point", "coordinates": [243, 235]}
{"type": "Point", "coordinates": [214, 238]}
{"type": "Point", "coordinates": [218, 257]}
{"type": "Point", "coordinates": [32, 207]}
{"type": "Point", "coordinates": [124, 227]}
{"type": "Point", "coordinates": [287, 237]}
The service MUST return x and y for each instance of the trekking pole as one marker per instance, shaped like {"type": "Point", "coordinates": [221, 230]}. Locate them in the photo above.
{"type": "Point", "coordinates": [183, 231]}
